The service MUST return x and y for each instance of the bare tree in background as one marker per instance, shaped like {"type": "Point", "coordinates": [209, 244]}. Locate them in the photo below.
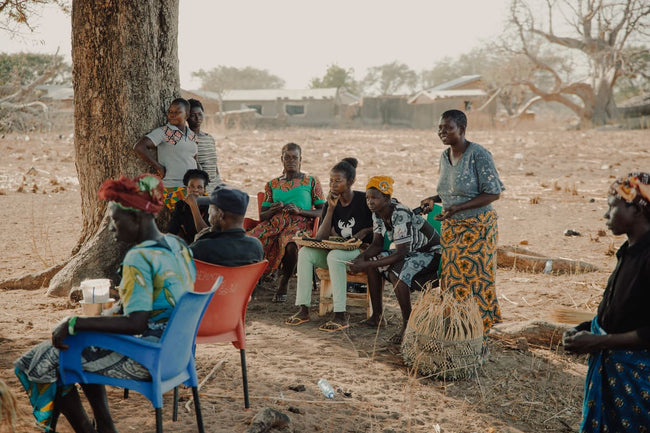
{"type": "Point", "coordinates": [601, 32]}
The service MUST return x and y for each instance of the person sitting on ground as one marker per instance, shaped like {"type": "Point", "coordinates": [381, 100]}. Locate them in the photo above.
{"type": "Point", "coordinates": [345, 215]}
{"type": "Point", "coordinates": [177, 149]}
{"type": "Point", "coordinates": [226, 243]}
{"type": "Point", "coordinates": [617, 386]}
{"type": "Point", "coordinates": [291, 202]}
{"type": "Point", "coordinates": [156, 272]}
{"type": "Point", "coordinates": [414, 260]}
{"type": "Point", "coordinates": [207, 149]}
{"type": "Point", "coordinates": [189, 217]}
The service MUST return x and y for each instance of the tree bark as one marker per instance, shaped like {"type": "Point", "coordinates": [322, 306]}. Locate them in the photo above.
{"type": "Point", "coordinates": [125, 73]}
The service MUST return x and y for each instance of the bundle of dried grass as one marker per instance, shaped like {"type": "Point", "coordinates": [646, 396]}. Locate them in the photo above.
{"type": "Point", "coordinates": [444, 337]}
{"type": "Point", "coordinates": [7, 407]}
{"type": "Point", "coordinates": [571, 316]}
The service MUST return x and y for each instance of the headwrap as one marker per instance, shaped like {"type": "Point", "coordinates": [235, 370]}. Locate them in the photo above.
{"type": "Point", "coordinates": [633, 189]}
{"type": "Point", "coordinates": [383, 183]}
{"type": "Point", "coordinates": [142, 193]}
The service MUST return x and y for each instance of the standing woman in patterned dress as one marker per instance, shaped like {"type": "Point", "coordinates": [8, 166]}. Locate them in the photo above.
{"type": "Point", "coordinates": [291, 202]}
{"type": "Point", "coordinates": [467, 186]}
{"type": "Point", "coordinates": [176, 151]}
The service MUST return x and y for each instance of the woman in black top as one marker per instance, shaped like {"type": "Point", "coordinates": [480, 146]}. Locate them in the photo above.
{"type": "Point", "coordinates": [189, 217]}
{"type": "Point", "coordinates": [346, 214]}
{"type": "Point", "coordinates": [617, 389]}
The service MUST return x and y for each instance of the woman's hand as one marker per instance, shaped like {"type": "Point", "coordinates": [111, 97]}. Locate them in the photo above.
{"type": "Point", "coordinates": [358, 265]}
{"type": "Point", "coordinates": [161, 171]}
{"type": "Point", "coordinates": [362, 234]}
{"type": "Point", "coordinates": [332, 200]}
{"type": "Point", "coordinates": [292, 209]}
{"type": "Point", "coordinates": [448, 212]}
{"type": "Point", "coordinates": [582, 341]}
{"type": "Point", "coordinates": [427, 205]}
{"type": "Point", "coordinates": [190, 199]}
{"type": "Point", "coordinates": [276, 207]}
{"type": "Point", "coordinates": [59, 333]}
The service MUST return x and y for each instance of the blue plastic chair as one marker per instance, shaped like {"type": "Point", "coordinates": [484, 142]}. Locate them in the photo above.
{"type": "Point", "coordinates": [170, 361]}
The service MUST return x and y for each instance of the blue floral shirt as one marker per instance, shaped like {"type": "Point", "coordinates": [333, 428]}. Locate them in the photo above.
{"type": "Point", "coordinates": [474, 174]}
{"type": "Point", "coordinates": [154, 276]}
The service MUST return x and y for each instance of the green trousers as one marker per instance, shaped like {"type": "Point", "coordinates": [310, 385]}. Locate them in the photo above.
{"type": "Point", "coordinates": [329, 259]}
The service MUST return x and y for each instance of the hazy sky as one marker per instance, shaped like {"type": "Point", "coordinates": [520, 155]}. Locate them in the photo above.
{"type": "Point", "coordinates": [298, 39]}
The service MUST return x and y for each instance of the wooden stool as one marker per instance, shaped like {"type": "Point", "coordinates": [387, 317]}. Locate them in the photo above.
{"type": "Point", "coordinates": [326, 304]}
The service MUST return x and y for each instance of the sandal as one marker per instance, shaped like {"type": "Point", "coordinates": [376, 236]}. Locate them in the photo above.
{"type": "Point", "coordinates": [279, 298]}
{"type": "Point", "coordinates": [330, 326]}
{"type": "Point", "coordinates": [295, 320]}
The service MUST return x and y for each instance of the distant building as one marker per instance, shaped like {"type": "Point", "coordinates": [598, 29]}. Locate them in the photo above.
{"type": "Point", "coordinates": [300, 107]}
{"type": "Point", "coordinates": [467, 93]}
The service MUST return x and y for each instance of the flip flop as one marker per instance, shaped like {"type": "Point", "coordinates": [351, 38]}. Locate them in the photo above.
{"type": "Point", "coordinates": [295, 321]}
{"type": "Point", "coordinates": [332, 327]}
{"type": "Point", "coordinates": [279, 299]}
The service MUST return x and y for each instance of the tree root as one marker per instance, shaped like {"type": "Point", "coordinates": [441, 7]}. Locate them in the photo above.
{"type": "Point", "coordinates": [99, 257]}
{"type": "Point", "coordinates": [33, 281]}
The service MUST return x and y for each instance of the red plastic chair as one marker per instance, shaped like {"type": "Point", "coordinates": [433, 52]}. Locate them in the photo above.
{"type": "Point", "coordinates": [250, 223]}
{"type": "Point", "coordinates": [224, 319]}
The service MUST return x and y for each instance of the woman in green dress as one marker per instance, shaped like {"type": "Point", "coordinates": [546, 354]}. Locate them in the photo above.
{"type": "Point", "coordinates": [291, 202]}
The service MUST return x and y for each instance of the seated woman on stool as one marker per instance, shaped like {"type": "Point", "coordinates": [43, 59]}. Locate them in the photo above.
{"type": "Point", "coordinates": [416, 254]}
{"type": "Point", "coordinates": [346, 215]}
{"type": "Point", "coordinates": [156, 272]}
{"type": "Point", "coordinates": [291, 202]}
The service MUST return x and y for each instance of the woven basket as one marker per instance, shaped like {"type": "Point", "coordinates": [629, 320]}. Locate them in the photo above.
{"type": "Point", "coordinates": [333, 243]}
{"type": "Point", "coordinates": [444, 337]}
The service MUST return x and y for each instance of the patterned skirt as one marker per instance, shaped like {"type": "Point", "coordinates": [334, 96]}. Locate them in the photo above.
{"type": "Point", "coordinates": [38, 372]}
{"type": "Point", "coordinates": [617, 390]}
{"type": "Point", "coordinates": [469, 261]}
{"type": "Point", "coordinates": [276, 233]}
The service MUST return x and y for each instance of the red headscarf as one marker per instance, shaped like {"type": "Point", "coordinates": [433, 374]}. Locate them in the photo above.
{"type": "Point", "coordinates": [143, 193]}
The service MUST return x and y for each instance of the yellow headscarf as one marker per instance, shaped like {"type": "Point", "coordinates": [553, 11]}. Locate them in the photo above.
{"type": "Point", "coordinates": [383, 183]}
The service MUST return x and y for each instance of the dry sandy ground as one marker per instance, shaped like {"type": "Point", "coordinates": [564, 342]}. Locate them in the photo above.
{"type": "Point", "coordinates": [555, 180]}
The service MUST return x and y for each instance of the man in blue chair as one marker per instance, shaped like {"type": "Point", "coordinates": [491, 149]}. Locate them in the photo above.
{"type": "Point", "coordinates": [226, 242]}
{"type": "Point", "coordinates": [156, 272]}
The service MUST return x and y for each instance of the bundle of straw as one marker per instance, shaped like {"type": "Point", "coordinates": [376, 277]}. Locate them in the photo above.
{"type": "Point", "coordinates": [444, 336]}
{"type": "Point", "coordinates": [7, 407]}
{"type": "Point", "coordinates": [571, 316]}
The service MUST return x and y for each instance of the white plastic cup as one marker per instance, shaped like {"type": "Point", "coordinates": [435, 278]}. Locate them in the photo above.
{"type": "Point", "coordinates": [96, 291]}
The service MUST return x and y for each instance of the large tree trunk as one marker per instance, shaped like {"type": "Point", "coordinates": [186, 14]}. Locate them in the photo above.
{"type": "Point", "coordinates": [604, 109]}
{"type": "Point", "coordinates": [125, 73]}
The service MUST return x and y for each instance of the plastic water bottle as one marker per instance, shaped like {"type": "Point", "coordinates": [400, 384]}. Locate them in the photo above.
{"type": "Point", "coordinates": [548, 268]}
{"type": "Point", "coordinates": [326, 388]}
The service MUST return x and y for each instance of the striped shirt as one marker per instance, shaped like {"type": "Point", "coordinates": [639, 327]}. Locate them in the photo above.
{"type": "Point", "coordinates": [207, 158]}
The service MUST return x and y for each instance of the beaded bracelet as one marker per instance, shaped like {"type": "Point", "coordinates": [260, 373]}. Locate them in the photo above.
{"type": "Point", "coordinates": [71, 322]}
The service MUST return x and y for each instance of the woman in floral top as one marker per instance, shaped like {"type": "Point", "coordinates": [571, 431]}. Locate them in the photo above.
{"type": "Point", "coordinates": [291, 202]}
{"type": "Point", "coordinates": [468, 184]}
{"type": "Point", "coordinates": [156, 272]}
